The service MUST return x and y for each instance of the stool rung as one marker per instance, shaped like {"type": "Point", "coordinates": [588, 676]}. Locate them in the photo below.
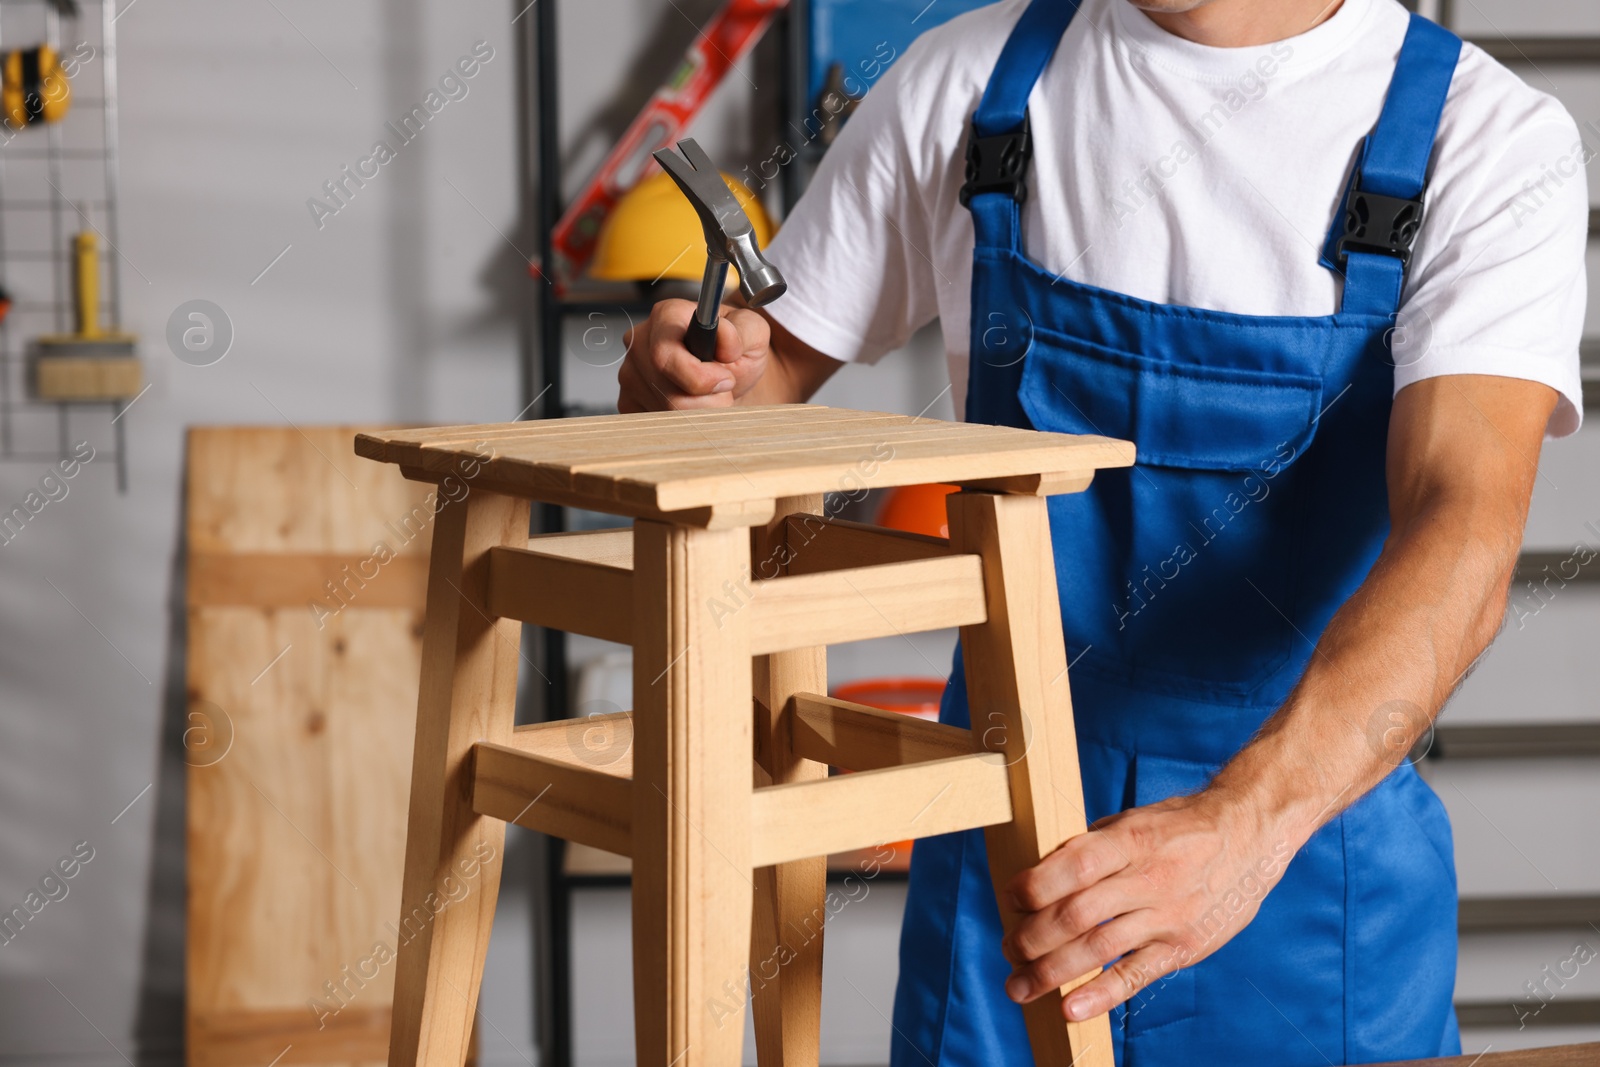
{"type": "Point", "coordinates": [580, 596]}
{"type": "Point", "coordinates": [886, 600]}
{"type": "Point", "coordinates": [613, 547]}
{"type": "Point", "coordinates": [554, 796]}
{"type": "Point", "coordinates": [849, 811]}
{"type": "Point", "coordinates": [855, 737]}
{"type": "Point", "coordinates": [816, 544]}
{"type": "Point", "coordinates": [601, 742]}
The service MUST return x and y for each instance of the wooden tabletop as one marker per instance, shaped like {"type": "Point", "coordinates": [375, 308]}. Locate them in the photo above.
{"type": "Point", "coordinates": [676, 461]}
{"type": "Point", "coordinates": [1556, 1056]}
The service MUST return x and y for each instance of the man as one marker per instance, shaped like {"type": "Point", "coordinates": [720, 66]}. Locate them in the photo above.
{"type": "Point", "coordinates": [1338, 432]}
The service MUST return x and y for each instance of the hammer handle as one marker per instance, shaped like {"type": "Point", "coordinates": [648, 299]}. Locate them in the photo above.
{"type": "Point", "coordinates": [701, 340]}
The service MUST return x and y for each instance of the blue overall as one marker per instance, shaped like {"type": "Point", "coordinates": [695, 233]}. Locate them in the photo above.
{"type": "Point", "coordinates": [1192, 587]}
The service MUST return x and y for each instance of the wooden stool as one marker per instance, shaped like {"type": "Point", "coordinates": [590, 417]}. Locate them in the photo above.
{"type": "Point", "coordinates": [730, 586]}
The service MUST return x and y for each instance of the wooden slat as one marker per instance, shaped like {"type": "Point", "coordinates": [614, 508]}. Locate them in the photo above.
{"type": "Point", "coordinates": [851, 605]}
{"type": "Point", "coordinates": [601, 742]}
{"type": "Point", "coordinates": [855, 737]}
{"type": "Point", "coordinates": [554, 796]}
{"type": "Point", "coordinates": [789, 822]}
{"type": "Point", "coordinates": [817, 544]}
{"type": "Point", "coordinates": [725, 447]}
{"type": "Point", "coordinates": [403, 445]}
{"type": "Point", "coordinates": [276, 580]}
{"type": "Point", "coordinates": [739, 513]}
{"type": "Point", "coordinates": [726, 441]}
{"type": "Point", "coordinates": [575, 595]}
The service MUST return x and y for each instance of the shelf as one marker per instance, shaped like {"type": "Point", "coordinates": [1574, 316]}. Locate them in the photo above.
{"type": "Point", "coordinates": [636, 307]}
{"type": "Point", "coordinates": [1561, 1011]}
{"type": "Point", "coordinates": [1532, 566]}
{"type": "Point", "coordinates": [1541, 49]}
{"type": "Point", "coordinates": [1520, 741]}
{"type": "Point", "coordinates": [1502, 914]}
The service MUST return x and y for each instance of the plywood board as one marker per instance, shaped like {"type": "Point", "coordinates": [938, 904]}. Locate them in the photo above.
{"type": "Point", "coordinates": [302, 700]}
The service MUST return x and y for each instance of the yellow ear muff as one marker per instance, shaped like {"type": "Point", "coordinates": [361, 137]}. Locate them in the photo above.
{"type": "Point", "coordinates": [34, 87]}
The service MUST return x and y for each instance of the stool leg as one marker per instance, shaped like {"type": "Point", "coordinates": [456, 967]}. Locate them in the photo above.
{"type": "Point", "coordinates": [692, 890]}
{"type": "Point", "coordinates": [1017, 689]}
{"type": "Point", "coordinates": [453, 855]}
{"type": "Point", "coordinates": [790, 898]}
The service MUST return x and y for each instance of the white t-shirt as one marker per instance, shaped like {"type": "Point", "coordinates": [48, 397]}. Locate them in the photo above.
{"type": "Point", "coordinates": [1207, 177]}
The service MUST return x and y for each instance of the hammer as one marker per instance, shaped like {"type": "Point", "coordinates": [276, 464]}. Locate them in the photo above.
{"type": "Point", "coordinates": [729, 236]}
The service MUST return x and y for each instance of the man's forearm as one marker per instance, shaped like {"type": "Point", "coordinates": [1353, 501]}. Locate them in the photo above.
{"type": "Point", "coordinates": [779, 384]}
{"type": "Point", "coordinates": [1384, 667]}
{"type": "Point", "coordinates": [794, 371]}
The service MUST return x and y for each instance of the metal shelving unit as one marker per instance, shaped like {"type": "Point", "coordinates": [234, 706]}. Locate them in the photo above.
{"type": "Point", "coordinates": [60, 193]}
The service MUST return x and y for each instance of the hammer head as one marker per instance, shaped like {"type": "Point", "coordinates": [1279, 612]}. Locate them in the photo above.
{"type": "Point", "coordinates": [729, 235]}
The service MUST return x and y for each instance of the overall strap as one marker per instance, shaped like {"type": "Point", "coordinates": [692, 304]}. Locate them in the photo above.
{"type": "Point", "coordinates": [999, 146]}
{"type": "Point", "coordinates": [1381, 213]}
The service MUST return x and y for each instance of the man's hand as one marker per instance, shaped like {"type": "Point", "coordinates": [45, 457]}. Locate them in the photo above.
{"type": "Point", "coordinates": [659, 372]}
{"type": "Point", "coordinates": [1161, 887]}
{"type": "Point", "coordinates": [758, 362]}
{"type": "Point", "coordinates": [1463, 453]}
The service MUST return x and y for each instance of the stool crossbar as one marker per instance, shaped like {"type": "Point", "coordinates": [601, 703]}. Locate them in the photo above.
{"type": "Point", "coordinates": [730, 584]}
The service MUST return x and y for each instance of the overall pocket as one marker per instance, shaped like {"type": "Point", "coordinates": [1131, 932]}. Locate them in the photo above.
{"type": "Point", "coordinates": [1181, 569]}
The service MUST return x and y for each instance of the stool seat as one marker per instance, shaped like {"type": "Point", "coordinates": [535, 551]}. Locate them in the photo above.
{"type": "Point", "coordinates": [730, 463]}
{"type": "Point", "coordinates": [730, 584]}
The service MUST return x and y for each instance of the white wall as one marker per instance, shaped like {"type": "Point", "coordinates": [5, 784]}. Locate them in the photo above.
{"type": "Point", "coordinates": [401, 307]}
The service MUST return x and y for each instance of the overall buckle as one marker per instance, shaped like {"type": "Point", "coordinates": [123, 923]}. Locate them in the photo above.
{"type": "Point", "coordinates": [998, 164]}
{"type": "Point", "coordinates": [1382, 225]}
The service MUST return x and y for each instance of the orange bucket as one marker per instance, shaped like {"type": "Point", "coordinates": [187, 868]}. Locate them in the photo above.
{"type": "Point", "coordinates": [913, 696]}
{"type": "Point", "coordinates": [917, 509]}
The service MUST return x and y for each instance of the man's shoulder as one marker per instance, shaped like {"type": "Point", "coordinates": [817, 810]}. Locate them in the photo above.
{"type": "Point", "coordinates": [985, 27]}
{"type": "Point", "coordinates": [953, 60]}
{"type": "Point", "coordinates": [1489, 102]}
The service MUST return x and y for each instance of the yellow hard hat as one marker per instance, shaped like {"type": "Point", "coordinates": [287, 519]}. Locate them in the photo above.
{"type": "Point", "coordinates": [654, 233]}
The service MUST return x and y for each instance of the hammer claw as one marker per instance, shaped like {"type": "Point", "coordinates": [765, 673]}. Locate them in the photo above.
{"type": "Point", "coordinates": [696, 156]}
{"type": "Point", "coordinates": [729, 237]}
